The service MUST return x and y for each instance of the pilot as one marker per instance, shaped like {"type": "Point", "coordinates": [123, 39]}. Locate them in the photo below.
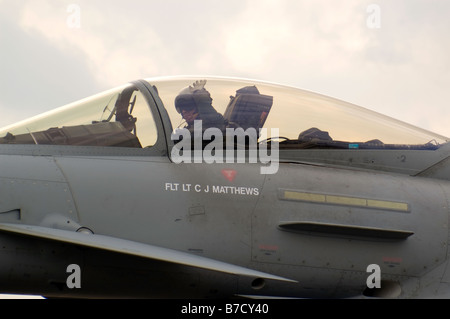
{"type": "Point", "coordinates": [195, 103]}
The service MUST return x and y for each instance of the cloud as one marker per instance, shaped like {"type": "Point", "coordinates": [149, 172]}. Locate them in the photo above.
{"type": "Point", "coordinates": [329, 47]}
{"type": "Point", "coordinates": [323, 45]}
{"type": "Point", "coordinates": [116, 49]}
{"type": "Point", "coordinates": [35, 75]}
{"type": "Point", "coordinates": [249, 37]}
{"type": "Point", "coordinates": [277, 33]}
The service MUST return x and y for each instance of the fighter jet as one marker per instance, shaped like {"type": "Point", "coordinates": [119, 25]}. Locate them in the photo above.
{"type": "Point", "coordinates": [209, 187]}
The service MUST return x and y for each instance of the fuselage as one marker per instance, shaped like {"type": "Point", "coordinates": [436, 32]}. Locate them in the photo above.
{"type": "Point", "coordinates": [331, 211]}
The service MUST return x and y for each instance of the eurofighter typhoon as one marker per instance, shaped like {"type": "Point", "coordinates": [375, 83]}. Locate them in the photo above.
{"type": "Point", "coordinates": [207, 187]}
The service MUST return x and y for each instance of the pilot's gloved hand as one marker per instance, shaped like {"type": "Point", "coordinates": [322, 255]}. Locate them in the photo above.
{"type": "Point", "coordinates": [197, 86]}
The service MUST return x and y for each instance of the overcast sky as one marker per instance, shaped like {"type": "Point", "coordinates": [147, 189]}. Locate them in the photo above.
{"type": "Point", "coordinates": [392, 56]}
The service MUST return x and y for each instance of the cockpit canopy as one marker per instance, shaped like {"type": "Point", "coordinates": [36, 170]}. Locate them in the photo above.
{"type": "Point", "coordinates": [304, 119]}
{"type": "Point", "coordinates": [125, 117]}
{"type": "Point", "coordinates": [119, 118]}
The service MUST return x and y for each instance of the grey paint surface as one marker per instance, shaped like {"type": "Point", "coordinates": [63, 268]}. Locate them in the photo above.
{"type": "Point", "coordinates": [310, 230]}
